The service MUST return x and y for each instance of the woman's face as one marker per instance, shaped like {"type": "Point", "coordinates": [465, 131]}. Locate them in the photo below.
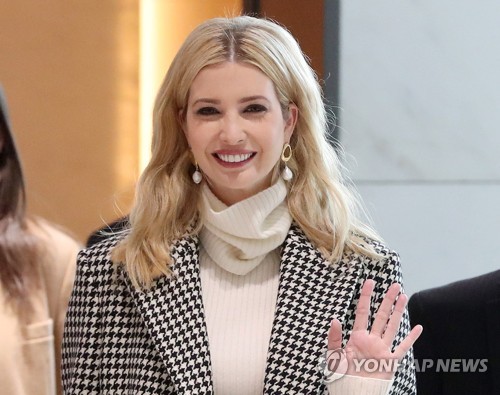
{"type": "Point", "coordinates": [236, 129]}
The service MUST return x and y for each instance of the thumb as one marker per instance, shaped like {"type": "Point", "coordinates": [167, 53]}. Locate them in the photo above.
{"type": "Point", "coordinates": [335, 335]}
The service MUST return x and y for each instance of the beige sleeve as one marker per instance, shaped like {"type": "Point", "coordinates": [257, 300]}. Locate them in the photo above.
{"type": "Point", "coordinates": [59, 273]}
{"type": "Point", "coordinates": [353, 385]}
{"type": "Point", "coordinates": [59, 318]}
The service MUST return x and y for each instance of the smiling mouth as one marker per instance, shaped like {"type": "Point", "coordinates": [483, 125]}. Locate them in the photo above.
{"type": "Point", "coordinates": [234, 158]}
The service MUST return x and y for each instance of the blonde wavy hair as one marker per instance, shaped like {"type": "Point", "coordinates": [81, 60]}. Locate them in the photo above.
{"type": "Point", "coordinates": [319, 199]}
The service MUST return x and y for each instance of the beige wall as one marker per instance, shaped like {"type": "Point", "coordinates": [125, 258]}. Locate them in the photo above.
{"type": "Point", "coordinates": [304, 19]}
{"type": "Point", "coordinates": [70, 70]}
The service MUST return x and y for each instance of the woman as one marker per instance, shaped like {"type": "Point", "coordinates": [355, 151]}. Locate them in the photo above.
{"type": "Point", "coordinates": [244, 260]}
{"type": "Point", "coordinates": [37, 265]}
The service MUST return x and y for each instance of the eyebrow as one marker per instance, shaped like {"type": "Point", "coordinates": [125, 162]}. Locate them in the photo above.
{"type": "Point", "coordinates": [243, 100]}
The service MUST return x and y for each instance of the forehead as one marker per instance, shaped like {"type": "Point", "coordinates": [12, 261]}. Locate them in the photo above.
{"type": "Point", "coordinates": [231, 79]}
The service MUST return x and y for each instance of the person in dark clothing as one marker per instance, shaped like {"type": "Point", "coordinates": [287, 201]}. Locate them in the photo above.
{"type": "Point", "coordinates": [459, 351]}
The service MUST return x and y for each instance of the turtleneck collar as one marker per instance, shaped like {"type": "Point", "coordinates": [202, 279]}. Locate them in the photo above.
{"type": "Point", "coordinates": [239, 237]}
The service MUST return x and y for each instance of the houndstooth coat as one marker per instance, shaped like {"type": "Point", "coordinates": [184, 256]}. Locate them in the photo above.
{"type": "Point", "coordinates": [119, 340]}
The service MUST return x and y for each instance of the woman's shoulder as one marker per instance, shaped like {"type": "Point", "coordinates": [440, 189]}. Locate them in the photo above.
{"type": "Point", "coordinates": [56, 244]}
{"type": "Point", "coordinates": [51, 232]}
{"type": "Point", "coordinates": [57, 262]}
{"type": "Point", "coordinates": [382, 250]}
{"type": "Point", "coordinates": [102, 250]}
{"type": "Point", "coordinates": [381, 264]}
{"type": "Point", "coordinates": [95, 260]}
{"type": "Point", "coordinates": [360, 248]}
{"type": "Point", "coordinates": [371, 252]}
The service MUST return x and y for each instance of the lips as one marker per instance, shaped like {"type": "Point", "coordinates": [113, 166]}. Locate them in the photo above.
{"type": "Point", "coordinates": [233, 159]}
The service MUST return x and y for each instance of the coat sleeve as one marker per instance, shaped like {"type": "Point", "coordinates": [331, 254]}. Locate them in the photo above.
{"type": "Point", "coordinates": [386, 272]}
{"type": "Point", "coordinates": [81, 341]}
{"type": "Point", "coordinates": [58, 272]}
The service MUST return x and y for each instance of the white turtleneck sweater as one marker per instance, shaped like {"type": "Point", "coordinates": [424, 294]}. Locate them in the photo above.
{"type": "Point", "coordinates": [239, 261]}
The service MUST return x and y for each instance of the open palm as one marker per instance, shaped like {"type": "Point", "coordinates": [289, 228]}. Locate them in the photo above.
{"type": "Point", "coordinates": [368, 353]}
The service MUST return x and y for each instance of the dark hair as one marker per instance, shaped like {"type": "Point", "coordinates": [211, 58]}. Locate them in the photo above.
{"type": "Point", "coordinates": [18, 246]}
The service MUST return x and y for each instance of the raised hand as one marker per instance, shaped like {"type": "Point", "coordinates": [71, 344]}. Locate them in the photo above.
{"type": "Point", "coordinates": [368, 353]}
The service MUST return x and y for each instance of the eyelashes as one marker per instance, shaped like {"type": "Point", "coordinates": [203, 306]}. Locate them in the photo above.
{"type": "Point", "coordinates": [207, 111]}
{"type": "Point", "coordinates": [251, 109]}
{"type": "Point", "coordinates": [255, 108]}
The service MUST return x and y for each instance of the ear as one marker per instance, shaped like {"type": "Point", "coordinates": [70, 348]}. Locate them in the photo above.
{"type": "Point", "coordinates": [291, 121]}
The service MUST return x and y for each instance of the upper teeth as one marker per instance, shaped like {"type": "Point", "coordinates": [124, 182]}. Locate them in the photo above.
{"type": "Point", "coordinates": [234, 158]}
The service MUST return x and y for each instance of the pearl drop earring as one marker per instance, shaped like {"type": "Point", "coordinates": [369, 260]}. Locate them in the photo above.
{"type": "Point", "coordinates": [197, 176]}
{"type": "Point", "coordinates": [286, 154]}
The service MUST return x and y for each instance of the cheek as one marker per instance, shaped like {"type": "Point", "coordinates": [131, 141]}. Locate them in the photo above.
{"type": "Point", "coordinates": [190, 138]}
{"type": "Point", "coordinates": [276, 141]}
{"type": "Point", "coordinates": [198, 140]}
{"type": "Point", "coordinates": [192, 133]}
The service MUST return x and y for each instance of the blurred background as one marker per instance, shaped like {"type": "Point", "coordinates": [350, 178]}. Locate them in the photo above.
{"type": "Point", "coordinates": [414, 86]}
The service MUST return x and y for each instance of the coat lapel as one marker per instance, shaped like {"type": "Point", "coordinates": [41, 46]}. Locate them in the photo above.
{"type": "Point", "coordinates": [173, 312]}
{"type": "Point", "coordinates": [311, 293]}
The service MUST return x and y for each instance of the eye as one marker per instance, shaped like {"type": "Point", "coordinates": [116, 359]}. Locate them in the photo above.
{"type": "Point", "coordinates": [255, 108]}
{"type": "Point", "coordinates": [207, 111]}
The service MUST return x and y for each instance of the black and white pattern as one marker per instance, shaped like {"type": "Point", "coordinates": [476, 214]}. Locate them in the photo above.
{"type": "Point", "coordinates": [121, 341]}
{"type": "Point", "coordinates": [310, 295]}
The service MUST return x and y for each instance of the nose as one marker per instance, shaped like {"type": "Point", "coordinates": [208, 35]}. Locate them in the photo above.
{"type": "Point", "coordinates": [232, 129]}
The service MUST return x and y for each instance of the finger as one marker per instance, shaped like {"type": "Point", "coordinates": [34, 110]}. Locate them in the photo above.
{"type": "Point", "coordinates": [385, 310]}
{"type": "Point", "coordinates": [395, 320]}
{"type": "Point", "coordinates": [335, 335]}
{"type": "Point", "coordinates": [407, 343]}
{"type": "Point", "coordinates": [363, 308]}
